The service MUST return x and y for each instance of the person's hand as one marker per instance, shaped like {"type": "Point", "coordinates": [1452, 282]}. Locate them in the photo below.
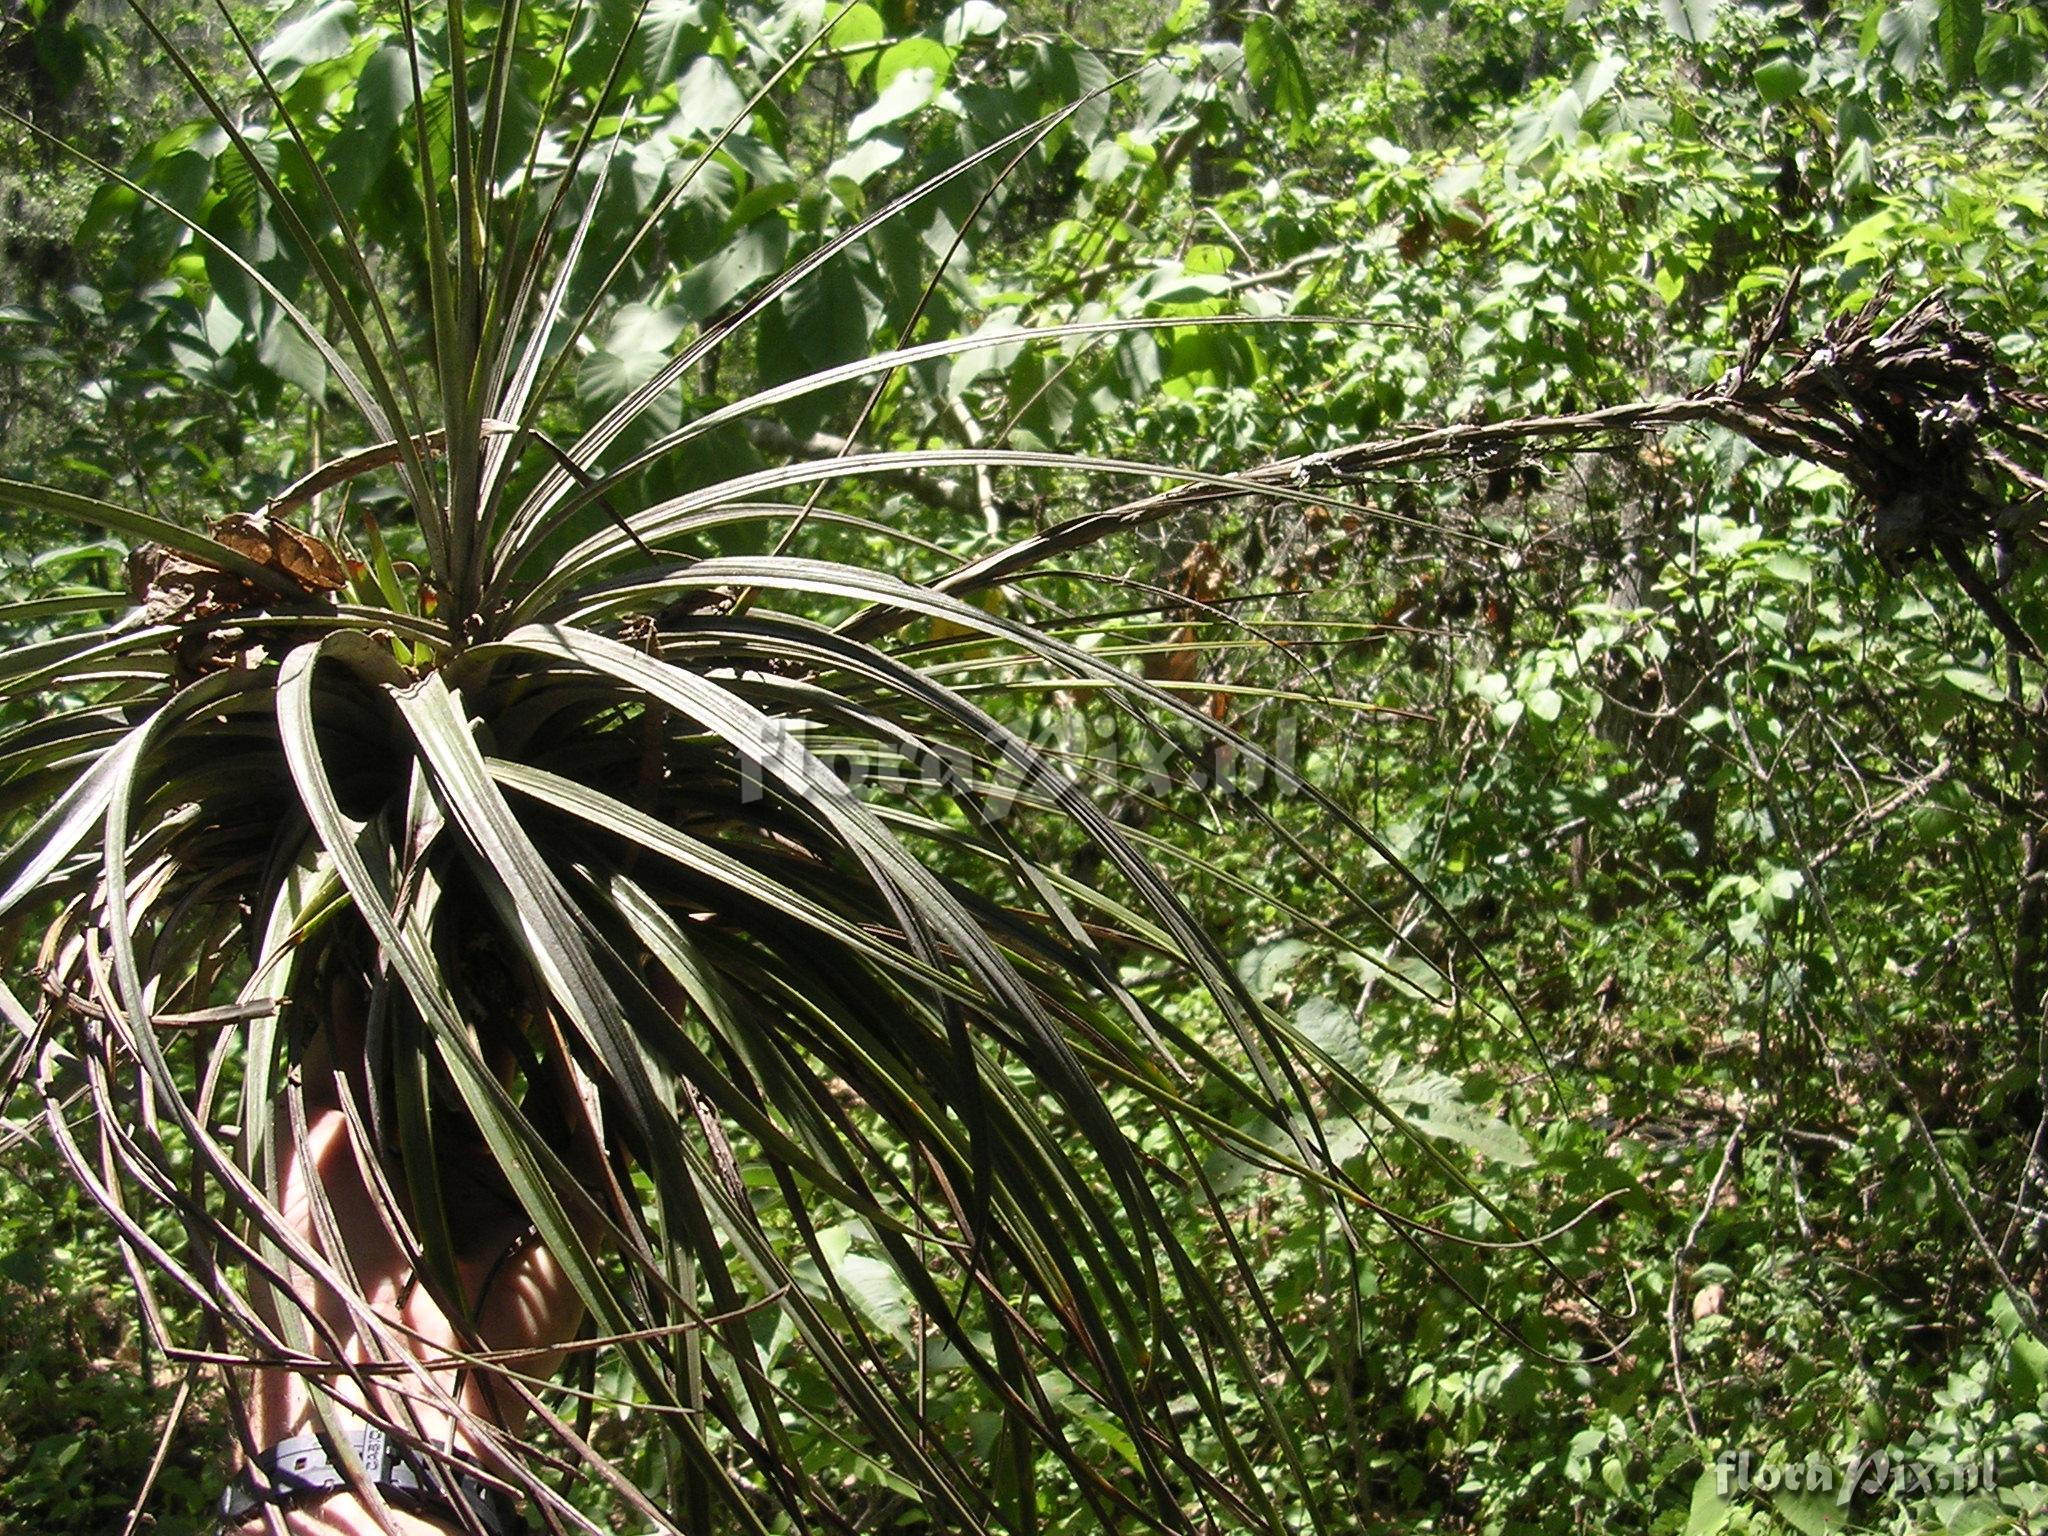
{"type": "Point", "coordinates": [523, 1299]}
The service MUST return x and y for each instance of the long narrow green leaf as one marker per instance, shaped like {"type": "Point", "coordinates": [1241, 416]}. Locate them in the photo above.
{"type": "Point", "coordinates": [376, 902]}
{"type": "Point", "coordinates": [524, 540]}
{"type": "Point", "coordinates": [105, 514]}
{"type": "Point", "coordinates": [593, 443]}
{"type": "Point", "coordinates": [648, 225]}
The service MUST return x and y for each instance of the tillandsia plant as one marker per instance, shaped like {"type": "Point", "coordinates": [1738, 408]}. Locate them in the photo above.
{"type": "Point", "coordinates": [628, 858]}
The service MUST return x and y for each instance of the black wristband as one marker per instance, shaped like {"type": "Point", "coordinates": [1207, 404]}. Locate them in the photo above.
{"type": "Point", "coordinates": [302, 1469]}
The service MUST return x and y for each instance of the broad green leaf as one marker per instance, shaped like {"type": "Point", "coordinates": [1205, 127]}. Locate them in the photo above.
{"type": "Point", "coordinates": [670, 31]}
{"type": "Point", "coordinates": [706, 100]}
{"type": "Point", "coordinates": [1691, 20]}
{"type": "Point", "coordinates": [634, 350]}
{"type": "Point", "coordinates": [285, 352]}
{"type": "Point", "coordinates": [2032, 1357]}
{"type": "Point", "coordinates": [1267, 967]}
{"type": "Point", "coordinates": [327, 31]}
{"type": "Point", "coordinates": [874, 1288]}
{"type": "Point", "coordinates": [751, 255]}
{"type": "Point", "coordinates": [1866, 240]}
{"type": "Point", "coordinates": [1435, 1105]}
{"type": "Point", "coordinates": [829, 316]}
{"type": "Point", "coordinates": [868, 158]}
{"type": "Point", "coordinates": [2009, 58]}
{"type": "Point", "coordinates": [1979, 685]}
{"type": "Point", "coordinates": [858, 24]}
{"type": "Point", "coordinates": [384, 91]}
{"type": "Point", "coordinates": [1811, 1514]}
{"type": "Point", "coordinates": [1275, 68]}
{"type": "Point", "coordinates": [1336, 1033]}
{"type": "Point", "coordinates": [183, 180]}
{"type": "Point", "coordinates": [1779, 80]}
{"type": "Point", "coordinates": [1109, 159]}
{"type": "Point", "coordinates": [924, 54]}
{"type": "Point", "coordinates": [1971, 1517]}
{"type": "Point", "coordinates": [974, 18]}
{"type": "Point", "coordinates": [910, 89]}
{"type": "Point", "coordinates": [1598, 77]}
{"type": "Point", "coordinates": [1708, 1513]}
{"type": "Point", "coordinates": [1959, 29]}
{"type": "Point", "coordinates": [1907, 31]}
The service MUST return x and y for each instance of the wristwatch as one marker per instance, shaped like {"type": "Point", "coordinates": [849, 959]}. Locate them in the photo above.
{"type": "Point", "coordinates": [299, 1470]}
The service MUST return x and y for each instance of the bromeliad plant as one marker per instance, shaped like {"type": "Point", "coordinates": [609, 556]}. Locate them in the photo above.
{"type": "Point", "coordinates": [638, 814]}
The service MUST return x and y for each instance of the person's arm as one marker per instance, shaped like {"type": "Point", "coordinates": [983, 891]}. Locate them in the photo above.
{"type": "Point", "coordinates": [523, 1297]}
{"type": "Point", "coordinates": [343, 1514]}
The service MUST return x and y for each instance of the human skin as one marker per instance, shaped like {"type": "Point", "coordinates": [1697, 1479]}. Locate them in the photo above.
{"type": "Point", "coordinates": [523, 1298]}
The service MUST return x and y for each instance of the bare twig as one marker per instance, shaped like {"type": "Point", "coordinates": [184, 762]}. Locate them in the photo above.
{"type": "Point", "coordinates": [1885, 809]}
{"type": "Point", "coordinates": [1680, 1259]}
{"type": "Point", "coordinates": [172, 1422]}
{"type": "Point", "coordinates": [1907, 415]}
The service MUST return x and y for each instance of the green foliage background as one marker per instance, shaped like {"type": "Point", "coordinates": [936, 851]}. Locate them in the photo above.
{"type": "Point", "coordinates": [1745, 818]}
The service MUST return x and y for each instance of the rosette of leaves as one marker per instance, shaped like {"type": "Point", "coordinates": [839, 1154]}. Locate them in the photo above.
{"type": "Point", "coordinates": [657, 823]}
